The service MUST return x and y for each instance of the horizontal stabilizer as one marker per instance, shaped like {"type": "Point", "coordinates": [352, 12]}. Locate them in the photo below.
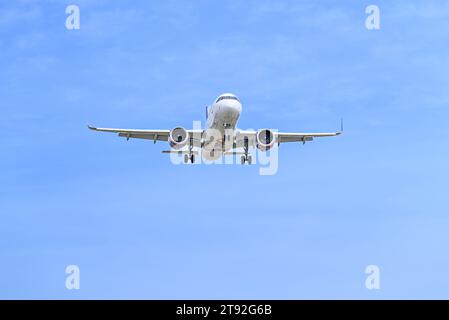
{"type": "Point", "coordinates": [180, 152]}
{"type": "Point", "coordinates": [234, 153]}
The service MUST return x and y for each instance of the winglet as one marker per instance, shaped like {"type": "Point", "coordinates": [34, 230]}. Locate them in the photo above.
{"type": "Point", "coordinates": [91, 127]}
{"type": "Point", "coordinates": [341, 127]}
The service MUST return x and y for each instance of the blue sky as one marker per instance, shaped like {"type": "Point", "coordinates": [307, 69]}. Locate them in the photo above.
{"type": "Point", "coordinates": [140, 227]}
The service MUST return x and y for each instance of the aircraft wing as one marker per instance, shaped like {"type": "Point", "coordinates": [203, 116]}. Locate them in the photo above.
{"type": "Point", "coordinates": [155, 135]}
{"type": "Point", "coordinates": [302, 137]}
{"type": "Point", "coordinates": [283, 137]}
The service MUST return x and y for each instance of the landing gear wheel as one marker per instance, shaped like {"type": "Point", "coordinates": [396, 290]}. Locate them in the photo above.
{"type": "Point", "coordinates": [248, 159]}
{"type": "Point", "coordinates": [189, 158]}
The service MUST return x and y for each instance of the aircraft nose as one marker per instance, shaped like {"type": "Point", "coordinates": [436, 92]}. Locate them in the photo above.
{"type": "Point", "coordinates": [234, 106]}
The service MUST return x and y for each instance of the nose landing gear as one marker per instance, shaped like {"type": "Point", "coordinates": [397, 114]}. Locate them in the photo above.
{"type": "Point", "coordinates": [189, 158]}
{"type": "Point", "coordinates": [246, 157]}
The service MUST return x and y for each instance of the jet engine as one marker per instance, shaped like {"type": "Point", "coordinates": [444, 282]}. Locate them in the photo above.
{"type": "Point", "coordinates": [178, 138]}
{"type": "Point", "coordinates": [265, 139]}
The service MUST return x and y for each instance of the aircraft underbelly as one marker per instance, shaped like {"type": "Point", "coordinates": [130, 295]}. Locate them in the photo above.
{"type": "Point", "coordinates": [225, 123]}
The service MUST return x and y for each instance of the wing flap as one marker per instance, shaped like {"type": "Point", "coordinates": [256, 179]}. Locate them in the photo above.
{"type": "Point", "coordinates": [147, 136]}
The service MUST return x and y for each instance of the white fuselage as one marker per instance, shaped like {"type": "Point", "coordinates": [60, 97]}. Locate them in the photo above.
{"type": "Point", "coordinates": [223, 115]}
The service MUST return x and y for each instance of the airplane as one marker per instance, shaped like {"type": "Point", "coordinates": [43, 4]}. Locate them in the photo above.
{"type": "Point", "coordinates": [221, 135]}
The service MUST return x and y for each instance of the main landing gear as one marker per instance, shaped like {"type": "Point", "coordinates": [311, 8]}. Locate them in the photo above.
{"type": "Point", "coordinates": [246, 157]}
{"type": "Point", "coordinates": [190, 157]}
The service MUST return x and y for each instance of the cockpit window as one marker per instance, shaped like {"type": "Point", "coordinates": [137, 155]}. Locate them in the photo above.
{"type": "Point", "coordinates": [227, 97]}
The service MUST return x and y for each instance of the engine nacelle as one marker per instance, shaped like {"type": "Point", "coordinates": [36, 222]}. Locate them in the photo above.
{"type": "Point", "coordinates": [265, 139]}
{"type": "Point", "coordinates": [178, 137]}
